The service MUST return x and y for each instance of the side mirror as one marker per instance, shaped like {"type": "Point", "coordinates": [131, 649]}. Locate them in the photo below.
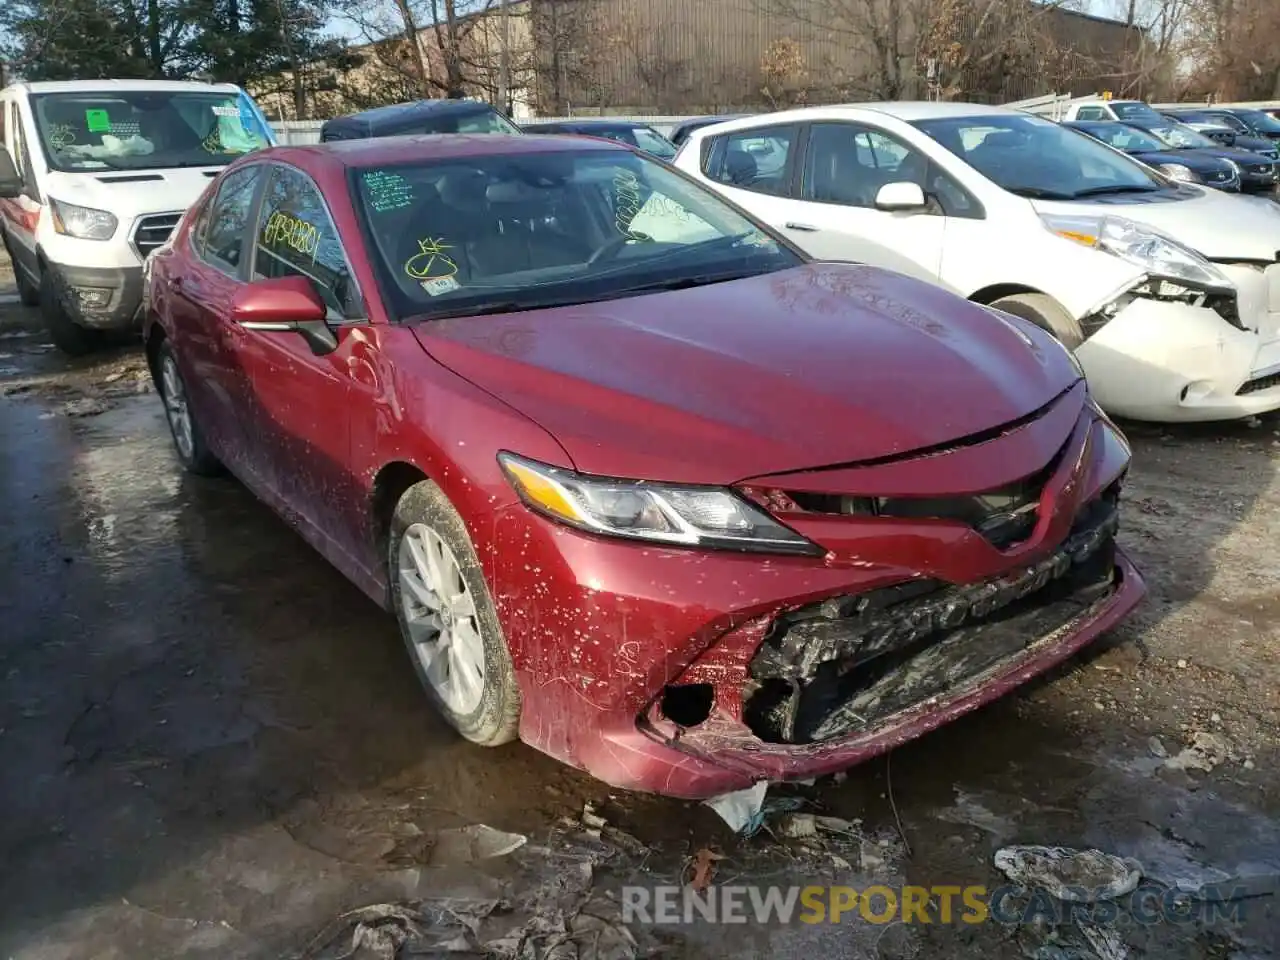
{"type": "Point", "coordinates": [900, 196]}
{"type": "Point", "coordinates": [285, 305]}
{"type": "Point", "coordinates": [11, 184]}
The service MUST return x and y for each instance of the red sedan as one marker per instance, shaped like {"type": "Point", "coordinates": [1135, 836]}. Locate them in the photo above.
{"type": "Point", "coordinates": [644, 487]}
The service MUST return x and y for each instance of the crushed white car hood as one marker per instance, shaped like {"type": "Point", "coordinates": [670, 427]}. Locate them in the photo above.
{"type": "Point", "coordinates": [1220, 226]}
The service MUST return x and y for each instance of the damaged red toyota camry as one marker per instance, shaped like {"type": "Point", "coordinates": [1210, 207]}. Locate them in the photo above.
{"type": "Point", "coordinates": [643, 486]}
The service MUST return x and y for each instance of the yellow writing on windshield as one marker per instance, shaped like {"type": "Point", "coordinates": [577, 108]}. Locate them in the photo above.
{"type": "Point", "coordinates": [286, 230]}
{"type": "Point", "coordinates": [431, 262]}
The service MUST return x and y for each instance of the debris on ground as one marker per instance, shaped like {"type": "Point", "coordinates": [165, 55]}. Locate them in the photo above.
{"type": "Point", "coordinates": [471, 843]}
{"type": "Point", "coordinates": [598, 828]}
{"type": "Point", "coordinates": [1206, 751]}
{"type": "Point", "coordinates": [1077, 876]}
{"type": "Point", "coordinates": [1105, 941]}
{"type": "Point", "coordinates": [700, 869]}
{"type": "Point", "coordinates": [560, 919]}
{"type": "Point", "coordinates": [742, 810]}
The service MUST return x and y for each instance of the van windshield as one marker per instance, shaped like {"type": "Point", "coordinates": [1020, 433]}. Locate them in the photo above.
{"type": "Point", "coordinates": [145, 129]}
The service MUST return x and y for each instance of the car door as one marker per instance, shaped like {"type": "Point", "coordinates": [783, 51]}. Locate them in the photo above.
{"type": "Point", "coordinates": [199, 295]}
{"type": "Point", "coordinates": [754, 167]}
{"type": "Point", "coordinates": [299, 406]}
{"type": "Point", "coordinates": [834, 216]}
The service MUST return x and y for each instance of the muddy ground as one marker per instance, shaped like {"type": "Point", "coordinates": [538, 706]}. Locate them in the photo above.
{"type": "Point", "coordinates": [213, 746]}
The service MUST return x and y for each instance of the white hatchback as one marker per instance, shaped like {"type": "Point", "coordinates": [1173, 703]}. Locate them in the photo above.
{"type": "Point", "coordinates": [1169, 293]}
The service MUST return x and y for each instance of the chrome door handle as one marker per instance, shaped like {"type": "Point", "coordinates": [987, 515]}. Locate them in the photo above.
{"type": "Point", "coordinates": [807, 228]}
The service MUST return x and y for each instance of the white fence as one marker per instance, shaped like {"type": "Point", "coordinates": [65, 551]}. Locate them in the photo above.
{"type": "Point", "coordinates": [297, 133]}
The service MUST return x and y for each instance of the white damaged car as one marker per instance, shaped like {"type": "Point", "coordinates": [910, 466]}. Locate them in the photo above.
{"type": "Point", "coordinates": [1169, 293]}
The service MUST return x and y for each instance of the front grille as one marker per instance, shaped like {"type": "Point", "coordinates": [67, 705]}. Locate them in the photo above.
{"type": "Point", "coordinates": [153, 231]}
{"type": "Point", "coordinates": [1260, 169]}
{"type": "Point", "coordinates": [1261, 383]}
{"type": "Point", "coordinates": [1218, 176]}
{"type": "Point", "coordinates": [1004, 516]}
{"type": "Point", "coordinates": [846, 663]}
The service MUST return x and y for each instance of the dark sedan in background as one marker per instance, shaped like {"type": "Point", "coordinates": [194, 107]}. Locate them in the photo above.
{"type": "Point", "coordinates": [680, 133]}
{"type": "Point", "coordinates": [638, 135]}
{"type": "Point", "coordinates": [1245, 121]}
{"type": "Point", "coordinates": [1258, 174]}
{"type": "Point", "coordinates": [1243, 139]}
{"type": "Point", "coordinates": [1191, 166]}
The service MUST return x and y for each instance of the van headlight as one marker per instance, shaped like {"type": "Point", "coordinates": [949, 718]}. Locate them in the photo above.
{"type": "Point", "coordinates": [83, 223]}
{"type": "Point", "coordinates": [1144, 247]}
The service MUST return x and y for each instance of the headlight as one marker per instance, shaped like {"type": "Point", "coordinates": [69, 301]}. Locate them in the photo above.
{"type": "Point", "coordinates": [1178, 171]}
{"type": "Point", "coordinates": [84, 223]}
{"type": "Point", "coordinates": [640, 510]}
{"type": "Point", "coordinates": [1142, 246]}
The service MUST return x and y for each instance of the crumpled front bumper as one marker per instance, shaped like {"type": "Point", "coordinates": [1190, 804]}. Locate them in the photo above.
{"type": "Point", "coordinates": [617, 635]}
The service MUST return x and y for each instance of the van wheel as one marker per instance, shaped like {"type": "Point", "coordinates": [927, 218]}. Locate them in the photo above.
{"type": "Point", "coordinates": [68, 336]}
{"type": "Point", "coordinates": [448, 620]}
{"type": "Point", "coordinates": [1046, 313]}
{"type": "Point", "coordinates": [28, 292]}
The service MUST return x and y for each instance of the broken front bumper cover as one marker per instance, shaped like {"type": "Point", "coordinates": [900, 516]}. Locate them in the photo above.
{"type": "Point", "coordinates": [819, 676]}
{"type": "Point", "coordinates": [1168, 361]}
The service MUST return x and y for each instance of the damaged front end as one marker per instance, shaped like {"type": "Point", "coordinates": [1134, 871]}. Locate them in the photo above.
{"type": "Point", "coordinates": [841, 666]}
{"type": "Point", "coordinates": [950, 599]}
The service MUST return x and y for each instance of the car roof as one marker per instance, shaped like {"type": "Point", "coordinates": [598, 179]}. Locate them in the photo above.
{"type": "Point", "coordinates": [404, 113]}
{"type": "Point", "coordinates": [908, 111]}
{"type": "Point", "coordinates": [124, 86]}
{"type": "Point", "coordinates": [389, 151]}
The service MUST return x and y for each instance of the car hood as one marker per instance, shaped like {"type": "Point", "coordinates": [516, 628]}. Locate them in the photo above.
{"type": "Point", "coordinates": [817, 365]}
{"type": "Point", "coordinates": [1254, 144]}
{"type": "Point", "coordinates": [1221, 226]}
{"type": "Point", "coordinates": [1187, 158]}
{"type": "Point", "coordinates": [132, 193]}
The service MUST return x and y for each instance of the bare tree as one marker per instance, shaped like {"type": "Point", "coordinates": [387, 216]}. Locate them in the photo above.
{"type": "Point", "coordinates": [784, 74]}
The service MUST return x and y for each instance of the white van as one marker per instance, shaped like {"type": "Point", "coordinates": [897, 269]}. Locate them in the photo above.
{"type": "Point", "coordinates": [94, 175]}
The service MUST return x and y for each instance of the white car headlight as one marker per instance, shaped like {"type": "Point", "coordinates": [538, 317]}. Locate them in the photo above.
{"type": "Point", "coordinates": [1142, 246]}
{"type": "Point", "coordinates": [84, 223]}
{"type": "Point", "coordinates": [1179, 171]}
{"type": "Point", "coordinates": [640, 510]}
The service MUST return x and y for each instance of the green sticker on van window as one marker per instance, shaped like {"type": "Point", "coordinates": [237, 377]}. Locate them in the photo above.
{"type": "Point", "coordinates": [98, 121]}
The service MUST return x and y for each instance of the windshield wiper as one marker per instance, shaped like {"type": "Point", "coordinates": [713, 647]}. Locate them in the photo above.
{"type": "Point", "coordinates": [679, 283]}
{"type": "Point", "coordinates": [1036, 193]}
{"type": "Point", "coordinates": [704, 246]}
{"type": "Point", "coordinates": [1115, 188]}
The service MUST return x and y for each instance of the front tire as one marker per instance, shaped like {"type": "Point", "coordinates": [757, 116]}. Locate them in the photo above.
{"type": "Point", "coordinates": [67, 335]}
{"type": "Point", "coordinates": [1046, 313]}
{"type": "Point", "coordinates": [448, 620]}
{"type": "Point", "coordinates": [188, 439]}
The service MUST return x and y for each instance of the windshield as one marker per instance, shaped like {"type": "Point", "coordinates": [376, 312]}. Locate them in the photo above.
{"type": "Point", "coordinates": [1124, 137]}
{"type": "Point", "coordinates": [145, 129]}
{"type": "Point", "coordinates": [526, 230]}
{"type": "Point", "coordinates": [1033, 157]}
{"type": "Point", "coordinates": [1262, 122]}
{"type": "Point", "coordinates": [1180, 136]}
{"type": "Point", "coordinates": [650, 141]}
{"type": "Point", "coordinates": [1133, 111]}
{"type": "Point", "coordinates": [482, 120]}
